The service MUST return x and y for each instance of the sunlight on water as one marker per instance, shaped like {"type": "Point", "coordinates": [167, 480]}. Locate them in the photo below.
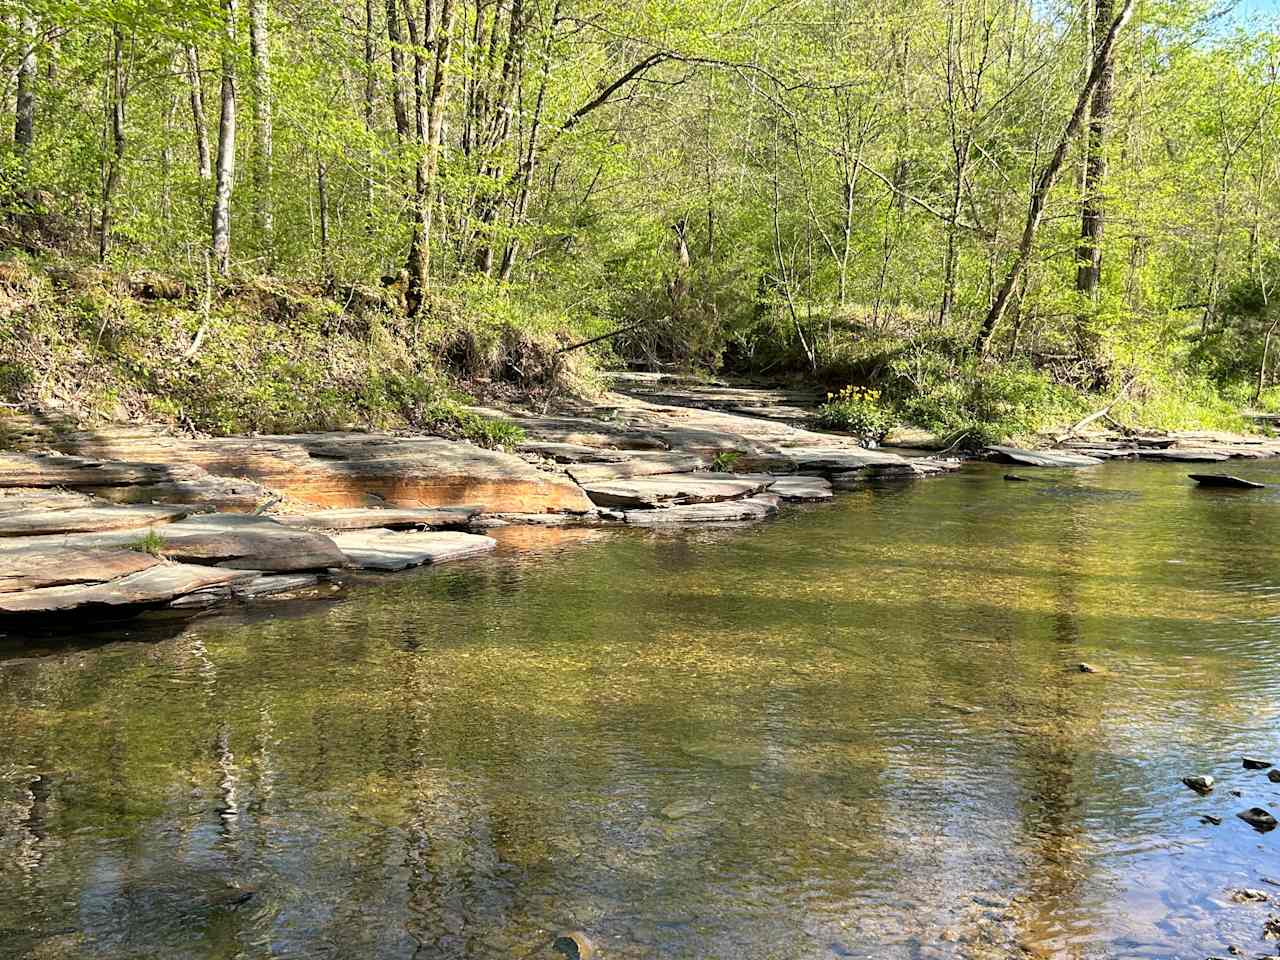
{"type": "Point", "coordinates": [855, 731]}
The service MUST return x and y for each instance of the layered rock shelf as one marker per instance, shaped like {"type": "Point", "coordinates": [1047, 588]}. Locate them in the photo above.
{"type": "Point", "coordinates": [122, 518]}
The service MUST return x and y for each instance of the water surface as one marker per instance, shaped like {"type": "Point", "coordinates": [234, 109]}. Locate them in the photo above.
{"type": "Point", "coordinates": [854, 731]}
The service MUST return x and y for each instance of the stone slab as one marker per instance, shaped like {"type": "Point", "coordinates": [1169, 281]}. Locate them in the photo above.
{"type": "Point", "coordinates": [668, 490]}
{"type": "Point", "coordinates": [799, 488]}
{"type": "Point", "coordinates": [393, 518]}
{"type": "Point", "coordinates": [86, 519]}
{"type": "Point", "coordinates": [125, 481]}
{"type": "Point", "coordinates": [39, 565]}
{"type": "Point", "coordinates": [232, 540]}
{"type": "Point", "coordinates": [641, 465]}
{"type": "Point", "coordinates": [388, 550]}
{"type": "Point", "coordinates": [1183, 455]}
{"type": "Point", "coordinates": [756, 507]}
{"type": "Point", "coordinates": [156, 585]}
{"type": "Point", "coordinates": [1039, 458]}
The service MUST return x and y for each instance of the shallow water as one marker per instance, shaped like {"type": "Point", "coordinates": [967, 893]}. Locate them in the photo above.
{"type": "Point", "coordinates": [854, 731]}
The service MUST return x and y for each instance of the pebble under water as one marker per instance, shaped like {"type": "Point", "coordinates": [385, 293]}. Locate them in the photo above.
{"type": "Point", "coordinates": [858, 730]}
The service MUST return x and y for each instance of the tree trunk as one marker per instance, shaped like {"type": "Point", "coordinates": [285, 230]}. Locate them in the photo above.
{"type": "Point", "coordinates": [397, 71]}
{"type": "Point", "coordinates": [221, 220]}
{"type": "Point", "coordinates": [499, 128]}
{"type": "Point", "coordinates": [115, 124]}
{"type": "Point", "coordinates": [1046, 180]}
{"type": "Point", "coordinates": [1089, 255]}
{"type": "Point", "coordinates": [204, 168]}
{"type": "Point", "coordinates": [24, 121]}
{"type": "Point", "coordinates": [260, 75]}
{"type": "Point", "coordinates": [529, 161]}
{"type": "Point", "coordinates": [322, 199]}
{"type": "Point", "coordinates": [370, 92]}
{"type": "Point", "coordinates": [419, 261]}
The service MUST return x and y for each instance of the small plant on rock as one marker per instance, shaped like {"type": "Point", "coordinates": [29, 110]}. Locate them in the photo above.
{"type": "Point", "coordinates": [723, 461]}
{"type": "Point", "coordinates": [152, 543]}
{"type": "Point", "coordinates": [859, 411]}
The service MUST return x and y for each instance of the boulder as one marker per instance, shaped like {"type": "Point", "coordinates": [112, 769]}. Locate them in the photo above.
{"type": "Point", "coordinates": [1258, 818]}
{"type": "Point", "coordinates": [1224, 480]}
{"type": "Point", "coordinates": [1253, 763]}
{"type": "Point", "coordinates": [574, 945]}
{"type": "Point", "coordinates": [1200, 784]}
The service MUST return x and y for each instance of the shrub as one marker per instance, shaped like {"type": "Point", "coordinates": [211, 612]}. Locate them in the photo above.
{"type": "Point", "coordinates": [859, 411]}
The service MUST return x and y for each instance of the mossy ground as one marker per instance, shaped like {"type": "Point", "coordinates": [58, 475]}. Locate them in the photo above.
{"type": "Point", "coordinates": [256, 356]}
{"type": "Point", "coordinates": [262, 355]}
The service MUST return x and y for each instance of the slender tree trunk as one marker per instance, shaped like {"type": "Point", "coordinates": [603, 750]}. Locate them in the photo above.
{"type": "Point", "coordinates": [520, 208]}
{"type": "Point", "coordinates": [950, 255]}
{"type": "Point", "coordinates": [115, 124]}
{"type": "Point", "coordinates": [419, 260]}
{"type": "Point", "coordinates": [166, 150]}
{"type": "Point", "coordinates": [322, 199]}
{"type": "Point", "coordinates": [204, 167]}
{"type": "Point", "coordinates": [221, 220]}
{"type": "Point", "coordinates": [1089, 255]}
{"type": "Point", "coordinates": [499, 128]}
{"type": "Point", "coordinates": [398, 105]}
{"type": "Point", "coordinates": [260, 75]}
{"type": "Point", "coordinates": [24, 122]}
{"type": "Point", "coordinates": [370, 92]}
{"type": "Point", "coordinates": [1046, 180]}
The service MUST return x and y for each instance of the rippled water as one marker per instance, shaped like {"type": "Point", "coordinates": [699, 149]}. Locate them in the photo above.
{"type": "Point", "coordinates": [854, 731]}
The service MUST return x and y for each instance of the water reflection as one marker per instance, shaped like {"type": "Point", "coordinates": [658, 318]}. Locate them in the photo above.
{"type": "Point", "coordinates": [853, 731]}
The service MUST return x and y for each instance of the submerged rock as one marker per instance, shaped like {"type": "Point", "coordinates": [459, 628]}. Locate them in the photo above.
{"type": "Point", "coordinates": [1273, 776]}
{"type": "Point", "coordinates": [1249, 895]}
{"type": "Point", "coordinates": [1086, 668]}
{"type": "Point", "coordinates": [1210, 818]}
{"type": "Point", "coordinates": [1252, 763]}
{"type": "Point", "coordinates": [1200, 784]}
{"type": "Point", "coordinates": [683, 808]}
{"type": "Point", "coordinates": [1258, 818]}
{"type": "Point", "coordinates": [1271, 929]}
{"type": "Point", "coordinates": [575, 945]}
{"type": "Point", "coordinates": [1224, 480]}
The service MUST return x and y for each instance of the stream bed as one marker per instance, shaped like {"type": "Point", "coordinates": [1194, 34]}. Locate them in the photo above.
{"type": "Point", "coordinates": [857, 730]}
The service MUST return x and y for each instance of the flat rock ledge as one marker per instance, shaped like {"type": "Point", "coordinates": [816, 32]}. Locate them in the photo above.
{"type": "Point", "coordinates": [392, 550]}
{"type": "Point", "coordinates": [1184, 447]}
{"type": "Point", "coordinates": [127, 517]}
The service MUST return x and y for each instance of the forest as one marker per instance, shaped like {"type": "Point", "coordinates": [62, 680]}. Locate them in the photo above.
{"type": "Point", "coordinates": [982, 217]}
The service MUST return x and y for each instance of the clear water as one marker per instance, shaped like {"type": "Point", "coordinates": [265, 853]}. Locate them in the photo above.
{"type": "Point", "coordinates": [854, 731]}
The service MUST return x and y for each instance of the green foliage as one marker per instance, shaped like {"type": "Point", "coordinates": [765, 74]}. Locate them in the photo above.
{"type": "Point", "coordinates": [448, 418]}
{"type": "Point", "coordinates": [859, 411]}
{"type": "Point", "coordinates": [151, 543]}
{"type": "Point", "coordinates": [791, 217]}
{"type": "Point", "coordinates": [724, 461]}
{"type": "Point", "coordinates": [974, 402]}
